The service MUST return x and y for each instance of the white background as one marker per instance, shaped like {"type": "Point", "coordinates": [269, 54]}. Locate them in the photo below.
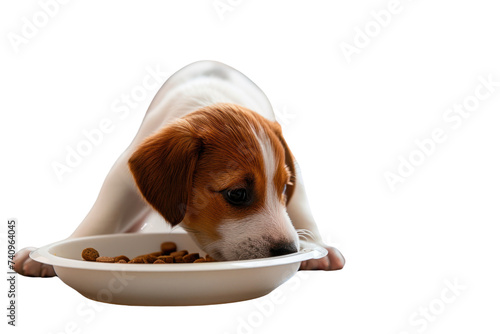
{"type": "Point", "coordinates": [346, 122]}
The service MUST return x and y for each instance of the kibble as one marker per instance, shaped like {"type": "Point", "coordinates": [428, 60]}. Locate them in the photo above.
{"type": "Point", "coordinates": [121, 257]}
{"type": "Point", "coordinates": [168, 254]}
{"type": "Point", "coordinates": [90, 254]}
{"type": "Point", "coordinates": [189, 258]}
{"type": "Point", "coordinates": [168, 247]}
{"type": "Point", "coordinates": [208, 258]}
{"type": "Point", "coordinates": [179, 253]}
{"type": "Point", "coordinates": [166, 258]}
{"type": "Point", "coordinates": [149, 258]}
{"type": "Point", "coordinates": [137, 260]}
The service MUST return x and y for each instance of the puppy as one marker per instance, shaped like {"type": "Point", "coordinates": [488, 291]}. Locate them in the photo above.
{"type": "Point", "coordinates": [210, 157]}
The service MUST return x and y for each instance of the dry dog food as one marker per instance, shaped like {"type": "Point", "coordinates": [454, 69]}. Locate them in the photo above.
{"type": "Point", "coordinates": [168, 254]}
{"type": "Point", "coordinates": [90, 254]}
{"type": "Point", "coordinates": [168, 247]}
{"type": "Point", "coordinates": [122, 257]}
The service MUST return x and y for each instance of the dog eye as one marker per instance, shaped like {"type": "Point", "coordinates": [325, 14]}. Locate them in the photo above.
{"type": "Point", "coordinates": [236, 196]}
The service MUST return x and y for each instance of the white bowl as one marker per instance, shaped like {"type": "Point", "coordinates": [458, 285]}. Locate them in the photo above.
{"type": "Point", "coordinates": [165, 284]}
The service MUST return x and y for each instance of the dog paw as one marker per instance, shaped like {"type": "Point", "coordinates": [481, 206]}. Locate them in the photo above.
{"type": "Point", "coordinates": [334, 260]}
{"type": "Point", "coordinates": [26, 266]}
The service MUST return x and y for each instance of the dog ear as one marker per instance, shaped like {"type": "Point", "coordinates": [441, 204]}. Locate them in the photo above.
{"type": "Point", "coordinates": [163, 167]}
{"type": "Point", "coordinates": [289, 160]}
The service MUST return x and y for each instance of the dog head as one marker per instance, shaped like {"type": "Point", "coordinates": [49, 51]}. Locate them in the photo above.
{"type": "Point", "coordinates": [227, 174]}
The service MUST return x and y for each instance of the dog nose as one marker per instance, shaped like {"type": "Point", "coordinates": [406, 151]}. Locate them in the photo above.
{"type": "Point", "coordinates": [283, 249]}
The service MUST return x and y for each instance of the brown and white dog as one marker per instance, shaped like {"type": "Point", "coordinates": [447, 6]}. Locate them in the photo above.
{"type": "Point", "coordinates": [210, 157]}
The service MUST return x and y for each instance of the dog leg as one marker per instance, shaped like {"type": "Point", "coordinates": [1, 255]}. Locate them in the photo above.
{"type": "Point", "coordinates": [300, 213]}
{"type": "Point", "coordinates": [119, 208]}
{"type": "Point", "coordinates": [26, 266]}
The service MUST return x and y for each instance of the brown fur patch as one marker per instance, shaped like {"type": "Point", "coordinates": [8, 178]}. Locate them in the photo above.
{"type": "Point", "coordinates": [182, 169]}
